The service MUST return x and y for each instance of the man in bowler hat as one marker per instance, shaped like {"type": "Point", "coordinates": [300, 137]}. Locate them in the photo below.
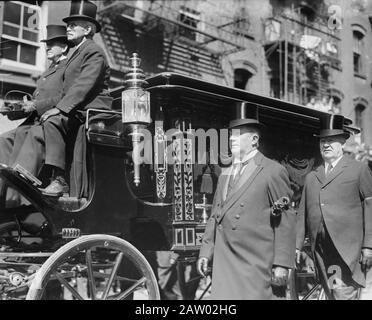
{"type": "Point", "coordinates": [47, 94]}
{"type": "Point", "coordinates": [252, 249]}
{"type": "Point", "coordinates": [336, 213]}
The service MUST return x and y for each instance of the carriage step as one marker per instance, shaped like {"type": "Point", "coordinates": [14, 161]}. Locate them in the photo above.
{"type": "Point", "coordinates": [28, 176]}
{"type": "Point", "coordinates": [71, 203]}
{"type": "Point", "coordinates": [70, 233]}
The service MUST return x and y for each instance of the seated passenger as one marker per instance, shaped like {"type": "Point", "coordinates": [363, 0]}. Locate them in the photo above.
{"type": "Point", "coordinates": [47, 94]}
{"type": "Point", "coordinates": [85, 86]}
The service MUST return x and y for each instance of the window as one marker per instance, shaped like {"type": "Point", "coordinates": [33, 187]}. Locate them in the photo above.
{"type": "Point", "coordinates": [358, 49]}
{"type": "Point", "coordinates": [359, 114]}
{"type": "Point", "coordinates": [20, 36]}
{"type": "Point", "coordinates": [241, 78]}
{"type": "Point", "coordinates": [307, 14]}
{"type": "Point", "coordinates": [191, 18]}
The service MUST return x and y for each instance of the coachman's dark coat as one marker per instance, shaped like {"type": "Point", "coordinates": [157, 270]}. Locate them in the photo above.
{"type": "Point", "coordinates": [49, 88]}
{"type": "Point", "coordinates": [85, 80]}
{"type": "Point", "coordinates": [242, 237]}
{"type": "Point", "coordinates": [47, 94]}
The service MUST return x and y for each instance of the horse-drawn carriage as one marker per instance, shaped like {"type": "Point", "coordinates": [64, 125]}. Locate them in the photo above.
{"type": "Point", "coordinates": [140, 187]}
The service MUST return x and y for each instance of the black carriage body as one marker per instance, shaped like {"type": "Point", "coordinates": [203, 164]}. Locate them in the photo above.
{"type": "Point", "coordinates": [166, 211]}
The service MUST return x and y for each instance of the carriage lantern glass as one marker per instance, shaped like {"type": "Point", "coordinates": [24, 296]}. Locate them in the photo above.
{"type": "Point", "coordinates": [135, 100]}
{"type": "Point", "coordinates": [135, 103]}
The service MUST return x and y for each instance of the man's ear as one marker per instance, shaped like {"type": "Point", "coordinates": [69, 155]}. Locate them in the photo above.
{"type": "Point", "coordinates": [88, 30]}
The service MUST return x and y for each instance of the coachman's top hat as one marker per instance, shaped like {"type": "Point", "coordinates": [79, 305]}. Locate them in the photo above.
{"type": "Point", "coordinates": [246, 114]}
{"type": "Point", "coordinates": [332, 125]}
{"type": "Point", "coordinates": [84, 10]}
{"type": "Point", "coordinates": [55, 32]}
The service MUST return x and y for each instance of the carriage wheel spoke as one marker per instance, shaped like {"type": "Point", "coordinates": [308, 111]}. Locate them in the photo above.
{"type": "Point", "coordinates": [91, 282]}
{"type": "Point", "coordinates": [104, 276]}
{"type": "Point", "coordinates": [131, 289]}
{"type": "Point", "coordinates": [68, 286]}
{"type": "Point", "coordinates": [112, 275]}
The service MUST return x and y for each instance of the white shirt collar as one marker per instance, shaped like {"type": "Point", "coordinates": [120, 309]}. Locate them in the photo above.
{"type": "Point", "coordinates": [77, 47]}
{"type": "Point", "coordinates": [246, 157]}
{"type": "Point", "coordinates": [61, 58]}
{"type": "Point", "coordinates": [334, 163]}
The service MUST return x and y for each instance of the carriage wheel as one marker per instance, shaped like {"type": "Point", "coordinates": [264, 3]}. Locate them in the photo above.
{"type": "Point", "coordinates": [95, 267]}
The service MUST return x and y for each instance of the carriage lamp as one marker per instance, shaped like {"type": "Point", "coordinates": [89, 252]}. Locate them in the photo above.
{"type": "Point", "coordinates": [135, 109]}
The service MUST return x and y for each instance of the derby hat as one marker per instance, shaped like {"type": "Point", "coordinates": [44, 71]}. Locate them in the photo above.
{"type": "Point", "coordinates": [332, 125]}
{"type": "Point", "coordinates": [84, 10]}
{"type": "Point", "coordinates": [55, 32]}
{"type": "Point", "coordinates": [246, 114]}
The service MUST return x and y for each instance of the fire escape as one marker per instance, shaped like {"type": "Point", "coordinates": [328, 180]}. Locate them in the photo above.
{"type": "Point", "coordinates": [302, 55]}
{"type": "Point", "coordinates": [169, 36]}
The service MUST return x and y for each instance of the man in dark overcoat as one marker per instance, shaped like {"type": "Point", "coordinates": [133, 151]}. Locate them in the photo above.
{"type": "Point", "coordinates": [85, 86]}
{"type": "Point", "coordinates": [47, 94]}
{"type": "Point", "coordinates": [336, 214]}
{"type": "Point", "coordinates": [251, 248]}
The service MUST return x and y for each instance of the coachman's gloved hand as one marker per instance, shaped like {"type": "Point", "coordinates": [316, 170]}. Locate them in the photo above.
{"type": "Point", "coordinates": [366, 259]}
{"type": "Point", "coordinates": [202, 266]}
{"type": "Point", "coordinates": [279, 276]}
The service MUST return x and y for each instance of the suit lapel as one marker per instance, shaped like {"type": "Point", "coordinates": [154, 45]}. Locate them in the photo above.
{"type": "Point", "coordinates": [77, 51]}
{"type": "Point", "coordinates": [54, 68]}
{"type": "Point", "coordinates": [221, 186]}
{"type": "Point", "coordinates": [337, 170]}
{"type": "Point", "coordinates": [224, 182]}
{"type": "Point", "coordinates": [320, 174]}
{"type": "Point", "coordinates": [49, 71]}
{"type": "Point", "coordinates": [73, 56]}
{"type": "Point", "coordinates": [248, 176]}
{"type": "Point", "coordinates": [245, 176]}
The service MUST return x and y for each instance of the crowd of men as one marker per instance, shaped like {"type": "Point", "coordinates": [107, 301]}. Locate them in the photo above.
{"type": "Point", "coordinates": [251, 246]}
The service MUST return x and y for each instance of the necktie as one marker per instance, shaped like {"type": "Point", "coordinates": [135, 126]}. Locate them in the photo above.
{"type": "Point", "coordinates": [235, 174]}
{"type": "Point", "coordinates": [329, 169]}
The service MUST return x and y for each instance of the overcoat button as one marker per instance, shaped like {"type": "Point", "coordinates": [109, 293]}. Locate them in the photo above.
{"type": "Point", "coordinates": [237, 216]}
{"type": "Point", "coordinates": [234, 227]}
{"type": "Point", "coordinates": [242, 204]}
{"type": "Point", "coordinates": [322, 204]}
{"type": "Point", "coordinates": [219, 226]}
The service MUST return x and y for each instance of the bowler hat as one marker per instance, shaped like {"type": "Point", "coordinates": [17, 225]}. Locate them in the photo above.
{"type": "Point", "coordinates": [84, 10]}
{"type": "Point", "coordinates": [332, 125]}
{"type": "Point", "coordinates": [55, 32]}
{"type": "Point", "coordinates": [246, 114]}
